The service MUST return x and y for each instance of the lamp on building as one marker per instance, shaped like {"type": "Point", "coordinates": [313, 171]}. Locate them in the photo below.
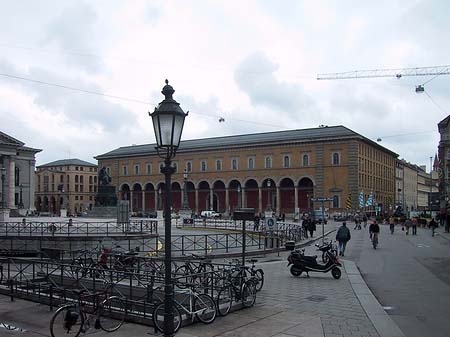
{"type": "Point", "coordinates": [185, 195]}
{"type": "Point", "coordinates": [3, 173]}
{"type": "Point", "coordinates": [168, 121]}
{"type": "Point", "coordinates": [269, 196]}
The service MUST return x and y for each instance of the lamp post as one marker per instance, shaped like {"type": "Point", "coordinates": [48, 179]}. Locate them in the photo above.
{"type": "Point", "coordinates": [185, 195]}
{"type": "Point", "coordinates": [239, 196]}
{"type": "Point", "coordinates": [269, 196]}
{"type": "Point", "coordinates": [168, 121]}
{"type": "Point", "coordinates": [3, 172]}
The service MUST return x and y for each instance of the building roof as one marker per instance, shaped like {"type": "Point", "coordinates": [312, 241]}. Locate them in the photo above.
{"type": "Point", "coordinates": [11, 142]}
{"type": "Point", "coordinates": [327, 133]}
{"type": "Point", "coordinates": [66, 162]}
{"type": "Point", "coordinates": [444, 123]}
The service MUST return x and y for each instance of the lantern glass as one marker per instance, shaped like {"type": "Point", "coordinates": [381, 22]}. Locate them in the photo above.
{"type": "Point", "coordinates": [168, 128]}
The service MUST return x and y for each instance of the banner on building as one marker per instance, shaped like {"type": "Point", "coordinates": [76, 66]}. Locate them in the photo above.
{"type": "Point", "coordinates": [348, 204]}
{"type": "Point", "coordinates": [369, 201]}
{"type": "Point", "coordinates": [361, 199]}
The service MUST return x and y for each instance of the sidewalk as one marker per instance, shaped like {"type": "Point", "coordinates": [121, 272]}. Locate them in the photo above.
{"type": "Point", "coordinates": [318, 306]}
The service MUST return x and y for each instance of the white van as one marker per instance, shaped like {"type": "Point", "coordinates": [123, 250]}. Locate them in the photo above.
{"type": "Point", "coordinates": [209, 214]}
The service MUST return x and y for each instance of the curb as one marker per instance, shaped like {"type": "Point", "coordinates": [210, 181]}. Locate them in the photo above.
{"type": "Point", "coordinates": [382, 322]}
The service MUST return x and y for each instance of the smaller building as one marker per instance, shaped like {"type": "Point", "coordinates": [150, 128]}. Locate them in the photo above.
{"type": "Point", "coordinates": [69, 184]}
{"type": "Point", "coordinates": [17, 175]}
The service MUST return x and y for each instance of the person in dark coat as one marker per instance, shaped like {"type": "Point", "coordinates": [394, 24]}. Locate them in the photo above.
{"type": "Point", "coordinates": [433, 224]}
{"type": "Point", "coordinates": [343, 236]}
{"type": "Point", "coordinates": [311, 227]}
{"type": "Point", "coordinates": [305, 227]}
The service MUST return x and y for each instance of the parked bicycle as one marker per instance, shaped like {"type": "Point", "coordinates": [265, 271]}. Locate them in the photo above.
{"type": "Point", "coordinates": [248, 271]}
{"type": "Point", "coordinates": [325, 247]}
{"type": "Point", "coordinates": [194, 272]}
{"type": "Point", "coordinates": [189, 302]}
{"type": "Point", "coordinates": [236, 287]}
{"type": "Point", "coordinates": [107, 312]}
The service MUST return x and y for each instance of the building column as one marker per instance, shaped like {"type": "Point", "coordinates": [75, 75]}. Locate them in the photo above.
{"type": "Point", "coordinates": [196, 200]}
{"type": "Point", "coordinates": [10, 186]}
{"type": "Point", "coordinates": [259, 199]}
{"type": "Point", "coordinates": [31, 187]}
{"type": "Point", "coordinates": [227, 202]}
{"type": "Point", "coordinates": [155, 199]}
{"type": "Point", "coordinates": [243, 201]}
{"type": "Point", "coordinates": [143, 201]}
{"type": "Point", "coordinates": [131, 201]}
{"type": "Point", "coordinates": [278, 200]}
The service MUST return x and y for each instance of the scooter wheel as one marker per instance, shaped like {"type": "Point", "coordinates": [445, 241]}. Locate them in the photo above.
{"type": "Point", "coordinates": [336, 272]}
{"type": "Point", "coordinates": [296, 271]}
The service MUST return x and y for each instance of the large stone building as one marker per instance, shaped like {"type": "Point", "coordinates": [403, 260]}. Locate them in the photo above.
{"type": "Point", "coordinates": [69, 184]}
{"type": "Point", "coordinates": [281, 169]}
{"type": "Point", "coordinates": [17, 163]}
{"type": "Point", "coordinates": [444, 163]}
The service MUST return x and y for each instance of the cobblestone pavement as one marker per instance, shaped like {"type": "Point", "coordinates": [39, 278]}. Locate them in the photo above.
{"type": "Point", "coordinates": [319, 295]}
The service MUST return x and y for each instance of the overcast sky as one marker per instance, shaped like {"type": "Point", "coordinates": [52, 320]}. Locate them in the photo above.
{"type": "Point", "coordinates": [254, 63]}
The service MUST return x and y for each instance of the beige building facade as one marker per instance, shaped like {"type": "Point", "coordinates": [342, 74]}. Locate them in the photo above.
{"type": "Point", "coordinates": [69, 184]}
{"type": "Point", "coordinates": [278, 170]}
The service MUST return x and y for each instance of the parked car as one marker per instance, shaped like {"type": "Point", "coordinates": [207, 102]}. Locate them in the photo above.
{"type": "Point", "coordinates": [209, 214]}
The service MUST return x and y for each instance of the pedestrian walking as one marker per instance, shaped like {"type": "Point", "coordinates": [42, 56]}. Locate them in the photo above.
{"type": "Point", "coordinates": [311, 227]}
{"type": "Point", "coordinates": [414, 226]}
{"type": "Point", "coordinates": [374, 230]}
{"type": "Point", "coordinates": [408, 224]}
{"type": "Point", "coordinates": [433, 224]}
{"type": "Point", "coordinates": [342, 237]}
{"type": "Point", "coordinates": [305, 227]}
{"type": "Point", "coordinates": [283, 217]}
{"type": "Point", "coordinates": [364, 221]}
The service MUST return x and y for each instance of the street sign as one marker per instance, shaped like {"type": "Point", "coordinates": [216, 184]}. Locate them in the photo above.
{"type": "Point", "coordinates": [322, 199]}
{"type": "Point", "coordinates": [271, 224]}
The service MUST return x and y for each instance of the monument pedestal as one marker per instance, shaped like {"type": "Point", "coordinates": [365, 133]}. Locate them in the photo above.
{"type": "Point", "coordinates": [184, 215]}
{"type": "Point", "coordinates": [4, 214]}
{"type": "Point", "coordinates": [63, 213]}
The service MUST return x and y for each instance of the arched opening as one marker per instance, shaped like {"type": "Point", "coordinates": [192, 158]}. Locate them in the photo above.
{"type": "Point", "coordinates": [203, 196]}
{"type": "Point", "coordinates": [234, 195]}
{"type": "Point", "coordinates": [219, 197]}
{"type": "Point", "coordinates": [125, 192]}
{"type": "Point", "coordinates": [305, 193]}
{"type": "Point", "coordinates": [137, 198]}
{"type": "Point", "coordinates": [251, 194]}
{"type": "Point", "coordinates": [287, 196]}
{"type": "Point", "coordinates": [190, 191]}
{"type": "Point", "coordinates": [149, 194]}
{"type": "Point", "coordinates": [176, 195]}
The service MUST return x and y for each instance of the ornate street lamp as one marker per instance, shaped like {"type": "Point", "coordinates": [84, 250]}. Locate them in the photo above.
{"type": "Point", "coordinates": [3, 173]}
{"type": "Point", "coordinates": [168, 121]}
{"type": "Point", "coordinates": [239, 196]}
{"type": "Point", "coordinates": [185, 194]}
{"type": "Point", "coordinates": [269, 195]}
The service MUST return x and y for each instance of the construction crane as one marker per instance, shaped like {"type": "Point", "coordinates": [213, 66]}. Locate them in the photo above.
{"type": "Point", "coordinates": [398, 73]}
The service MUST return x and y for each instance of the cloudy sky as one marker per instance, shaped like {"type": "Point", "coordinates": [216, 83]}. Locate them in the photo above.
{"type": "Point", "coordinates": [254, 63]}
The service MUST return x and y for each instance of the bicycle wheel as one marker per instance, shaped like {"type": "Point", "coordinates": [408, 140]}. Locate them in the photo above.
{"type": "Point", "coordinates": [205, 307]}
{"type": "Point", "coordinates": [112, 313]}
{"type": "Point", "coordinates": [224, 301]}
{"type": "Point", "coordinates": [183, 278]}
{"type": "Point", "coordinates": [248, 293]}
{"type": "Point", "coordinates": [67, 321]}
{"type": "Point", "coordinates": [259, 275]}
{"type": "Point", "coordinates": [158, 318]}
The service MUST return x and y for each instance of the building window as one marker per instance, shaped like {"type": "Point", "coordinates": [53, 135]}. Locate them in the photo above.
{"type": "Point", "coordinates": [149, 168]}
{"type": "Point", "coordinates": [336, 201]}
{"type": "Point", "coordinates": [95, 180]}
{"type": "Point", "coordinates": [81, 168]}
{"type": "Point", "coordinates": [76, 179]}
{"type": "Point", "coordinates": [188, 166]}
{"type": "Point", "coordinates": [218, 165]}
{"type": "Point", "coordinates": [81, 188]}
{"type": "Point", "coordinates": [268, 162]}
{"type": "Point", "coordinates": [161, 166]}
{"type": "Point", "coordinates": [81, 179]}
{"type": "Point", "coordinates": [175, 166]}
{"type": "Point", "coordinates": [76, 168]}
{"type": "Point", "coordinates": [234, 163]}
{"type": "Point", "coordinates": [251, 163]}
{"type": "Point", "coordinates": [286, 161]}
{"type": "Point", "coordinates": [81, 197]}
{"type": "Point", "coordinates": [335, 159]}
{"type": "Point", "coordinates": [76, 197]}
{"type": "Point", "coordinates": [76, 188]}
{"type": "Point", "coordinates": [136, 169]}
{"type": "Point", "coordinates": [203, 166]}
{"type": "Point", "coordinates": [90, 179]}
{"type": "Point", "coordinates": [125, 170]}
{"type": "Point", "coordinates": [305, 160]}
{"type": "Point", "coordinates": [108, 170]}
